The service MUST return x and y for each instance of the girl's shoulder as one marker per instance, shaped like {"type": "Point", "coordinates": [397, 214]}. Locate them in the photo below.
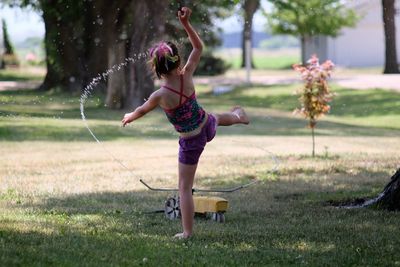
{"type": "Point", "coordinates": [160, 92]}
{"type": "Point", "coordinates": [188, 83]}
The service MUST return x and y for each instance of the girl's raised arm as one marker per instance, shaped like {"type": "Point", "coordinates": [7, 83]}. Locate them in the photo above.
{"type": "Point", "coordinates": [194, 57]}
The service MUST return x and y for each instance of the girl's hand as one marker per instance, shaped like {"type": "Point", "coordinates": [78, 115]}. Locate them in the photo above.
{"type": "Point", "coordinates": [184, 15]}
{"type": "Point", "coordinates": [127, 119]}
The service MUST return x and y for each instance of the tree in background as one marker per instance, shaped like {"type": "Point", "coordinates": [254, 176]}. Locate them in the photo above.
{"type": "Point", "coordinates": [389, 11]}
{"type": "Point", "coordinates": [249, 8]}
{"type": "Point", "coordinates": [309, 18]}
{"type": "Point", "coordinates": [9, 57]}
{"type": "Point", "coordinates": [85, 38]}
{"type": "Point", "coordinates": [8, 48]}
{"type": "Point", "coordinates": [202, 18]}
{"type": "Point", "coordinates": [65, 45]}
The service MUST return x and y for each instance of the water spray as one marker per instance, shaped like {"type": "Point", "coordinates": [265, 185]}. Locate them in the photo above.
{"type": "Point", "coordinates": [103, 77]}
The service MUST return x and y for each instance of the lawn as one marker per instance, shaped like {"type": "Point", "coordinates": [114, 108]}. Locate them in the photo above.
{"type": "Point", "coordinates": [262, 58]}
{"type": "Point", "coordinates": [66, 201]}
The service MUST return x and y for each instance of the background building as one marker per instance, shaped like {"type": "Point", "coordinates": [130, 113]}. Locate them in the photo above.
{"type": "Point", "coordinates": [361, 46]}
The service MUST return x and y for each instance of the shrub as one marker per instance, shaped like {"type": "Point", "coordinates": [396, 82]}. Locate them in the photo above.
{"type": "Point", "coordinates": [211, 65]}
{"type": "Point", "coordinates": [315, 94]}
{"type": "Point", "coordinates": [10, 60]}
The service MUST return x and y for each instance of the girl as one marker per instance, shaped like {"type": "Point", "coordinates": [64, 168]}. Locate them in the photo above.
{"type": "Point", "coordinates": [178, 99]}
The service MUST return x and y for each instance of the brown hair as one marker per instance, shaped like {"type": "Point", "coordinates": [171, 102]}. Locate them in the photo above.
{"type": "Point", "coordinates": [164, 58]}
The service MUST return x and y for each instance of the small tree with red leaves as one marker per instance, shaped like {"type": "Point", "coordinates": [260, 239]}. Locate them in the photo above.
{"type": "Point", "coordinates": [315, 94]}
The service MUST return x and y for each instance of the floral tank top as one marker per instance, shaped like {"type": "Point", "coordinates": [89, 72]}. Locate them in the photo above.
{"type": "Point", "coordinates": [188, 115]}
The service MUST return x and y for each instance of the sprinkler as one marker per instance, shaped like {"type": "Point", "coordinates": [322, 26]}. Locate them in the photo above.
{"type": "Point", "coordinates": [210, 206]}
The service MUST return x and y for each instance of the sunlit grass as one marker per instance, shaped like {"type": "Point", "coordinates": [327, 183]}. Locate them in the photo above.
{"type": "Point", "coordinates": [23, 73]}
{"type": "Point", "coordinates": [262, 59]}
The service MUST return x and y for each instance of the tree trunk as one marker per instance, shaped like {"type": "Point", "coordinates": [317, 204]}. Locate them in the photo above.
{"type": "Point", "coordinates": [303, 50]}
{"type": "Point", "coordinates": [118, 50]}
{"type": "Point", "coordinates": [103, 28]}
{"type": "Point", "coordinates": [249, 7]}
{"type": "Point", "coordinates": [391, 65]}
{"type": "Point", "coordinates": [389, 199]}
{"type": "Point", "coordinates": [313, 141]}
{"type": "Point", "coordinates": [8, 48]}
{"type": "Point", "coordinates": [71, 53]}
{"type": "Point", "coordinates": [141, 78]}
{"type": "Point", "coordinates": [50, 39]}
{"type": "Point", "coordinates": [95, 39]}
{"type": "Point", "coordinates": [117, 84]}
{"type": "Point", "coordinates": [64, 49]}
{"type": "Point", "coordinates": [148, 24]}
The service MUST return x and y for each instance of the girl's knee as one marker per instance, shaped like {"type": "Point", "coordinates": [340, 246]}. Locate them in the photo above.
{"type": "Point", "coordinates": [217, 118]}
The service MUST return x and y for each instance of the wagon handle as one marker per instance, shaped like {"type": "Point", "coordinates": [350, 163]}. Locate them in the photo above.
{"type": "Point", "coordinates": [158, 189]}
{"type": "Point", "coordinates": [201, 190]}
{"type": "Point", "coordinates": [225, 190]}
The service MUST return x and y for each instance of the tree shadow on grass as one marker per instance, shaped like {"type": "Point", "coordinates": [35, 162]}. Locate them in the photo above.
{"type": "Point", "coordinates": [359, 103]}
{"type": "Point", "coordinates": [61, 133]}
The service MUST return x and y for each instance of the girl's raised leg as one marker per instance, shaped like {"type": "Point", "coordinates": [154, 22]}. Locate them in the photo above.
{"type": "Point", "coordinates": [235, 116]}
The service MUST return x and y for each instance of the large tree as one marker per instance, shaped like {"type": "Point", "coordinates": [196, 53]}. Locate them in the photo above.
{"type": "Point", "coordinates": [309, 18]}
{"type": "Point", "coordinates": [389, 11]}
{"type": "Point", "coordinates": [85, 38]}
{"type": "Point", "coordinates": [70, 30]}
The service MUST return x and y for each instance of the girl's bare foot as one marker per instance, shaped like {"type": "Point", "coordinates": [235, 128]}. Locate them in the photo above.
{"type": "Point", "coordinates": [241, 114]}
{"type": "Point", "coordinates": [181, 236]}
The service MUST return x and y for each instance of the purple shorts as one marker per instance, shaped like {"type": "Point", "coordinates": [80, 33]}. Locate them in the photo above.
{"type": "Point", "coordinates": [190, 148]}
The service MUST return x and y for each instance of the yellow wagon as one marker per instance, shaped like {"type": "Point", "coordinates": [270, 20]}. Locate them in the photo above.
{"type": "Point", "coordinates": [213, 206]}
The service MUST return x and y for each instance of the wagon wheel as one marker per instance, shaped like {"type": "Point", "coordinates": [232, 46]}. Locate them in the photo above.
{"type": "Point", "coordinates": [218, 217]}
{"type": "Point", "coordinates": [172, 210]}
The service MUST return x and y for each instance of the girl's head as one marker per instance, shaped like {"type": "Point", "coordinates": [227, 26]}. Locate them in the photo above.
{"type": "Point", "coordinates": [164, 58]}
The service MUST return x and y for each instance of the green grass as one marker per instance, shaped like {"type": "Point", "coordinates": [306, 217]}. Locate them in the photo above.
{"type": "Point", "coordinates": [266, 62]}
{"type": "Point", "coordinates": [262, 59]}
{"type": "Point", "coordinates": [64, 201]}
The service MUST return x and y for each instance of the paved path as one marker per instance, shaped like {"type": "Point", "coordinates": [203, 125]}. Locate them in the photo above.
{"type": "Point", "coordinates": [13, 85]}
{"type": "Point", "coordinates": [356, 81]}
{"type": "Point", "coordinates": [387, 81]}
